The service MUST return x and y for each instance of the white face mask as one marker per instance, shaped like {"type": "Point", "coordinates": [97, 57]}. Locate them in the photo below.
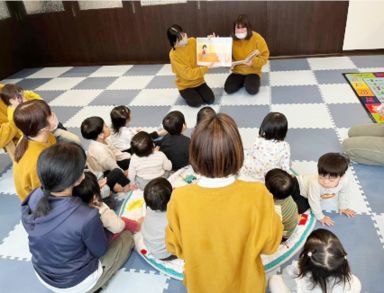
{"type": "Point", "coordinates": [183, 42]}
{"type": "Point", "coordinates": [241, 36]}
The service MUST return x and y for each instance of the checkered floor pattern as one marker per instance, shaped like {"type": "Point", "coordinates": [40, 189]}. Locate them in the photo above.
{"type": "Point", "coordinates": [312, 93]}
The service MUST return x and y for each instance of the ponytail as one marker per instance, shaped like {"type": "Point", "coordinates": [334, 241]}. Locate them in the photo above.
{"type": "Point", "coordinates": [21, 148]}
{"type": "Point", "coordinates": [43, 207]}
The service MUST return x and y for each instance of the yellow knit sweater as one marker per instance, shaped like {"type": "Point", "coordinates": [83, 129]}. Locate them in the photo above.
{"type": "Point", "coordinates": [7, 133]}
{"type": "Point", "coordinates": [220, 233]}
{"type": "Point", "coordinates": [184, 65]}
{"type": "Point", "coordinates": [242, 48]}
{"type": "Point", "coordinates": [25, 171]}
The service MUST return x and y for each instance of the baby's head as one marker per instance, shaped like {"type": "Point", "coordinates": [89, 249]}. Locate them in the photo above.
{"type": "Point", "coordinates": [324, 259]}
{"type": "Point", "coordinates": [120, 117]}
{"type": "Point", "coordinates": [88, 190]}
{"type": "Point", "coordinates": [157, 194]}
{"type": "Point", "coordinates": [94, 128]}
{"type": "Point", "coordinates": [142, 144]}
{"type": "Point", "coordinates": [12, 95]}
{"type": "Point", "coordinates": [331, 167]}
{"type": "Point", "coordinates": [274, 126]}
{"type": "Point", "coordinates": [174, 123]}
{"type": "Point", "coordinates": [279, 183]}
{"type": "Point", "coordinates": [204, 113]}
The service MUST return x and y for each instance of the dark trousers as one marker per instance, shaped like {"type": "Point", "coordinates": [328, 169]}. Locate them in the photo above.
{"type": "Point", "coordinates": [235, 81]}
{"type": "Point", "coordinates": [116, 176]}
{"type": "Point", "coordinates": [301, 201]}
{"type": "Point", "coordinates": [197, 96]}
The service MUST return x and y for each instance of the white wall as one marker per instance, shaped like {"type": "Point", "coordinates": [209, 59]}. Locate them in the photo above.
{"type": "Point", "coordinates": [365, 25]}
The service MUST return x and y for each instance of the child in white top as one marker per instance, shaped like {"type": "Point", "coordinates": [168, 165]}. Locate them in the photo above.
{"type": "Point", "coordinates": [328, 183]}
{"type": "Point", "coordinates": [157, 194]}
{"type": "Point", "coordinates": [322, 267]}
{"type": "Point", "coordinates": [121, 135]}
{"type": "Point", "coordinates": [147, 162]}
{"type": "Point", "coordinates": [269, 151]}
{"type": "Point", "coordinates": [89, 192]}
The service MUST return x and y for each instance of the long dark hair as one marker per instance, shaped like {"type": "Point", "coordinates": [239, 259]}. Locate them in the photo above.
{"type": "Point", "coordinates": [324, 260]}
{"type": "Point", "coordinates": [88, 189]}
{"type": "Point", "coordinates": [58, 168]}
{"type": "Point", "coordinates": [30, 117]}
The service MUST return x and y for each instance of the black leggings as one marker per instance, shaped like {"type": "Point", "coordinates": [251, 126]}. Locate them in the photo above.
{"type": "Point", "coordinates": [301, 201]}
{"type": "Point", "coordinates": [235, 81]}
{"type": "Point", "coordinates": [116, 176]}
{"type": "Point", "coordinates": [197, 96]}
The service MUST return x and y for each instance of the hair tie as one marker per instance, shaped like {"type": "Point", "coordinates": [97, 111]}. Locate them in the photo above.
{"type": "Point", "coordinates": [309, 254]}
{"type": "Point", "coordinates": [345, 257]}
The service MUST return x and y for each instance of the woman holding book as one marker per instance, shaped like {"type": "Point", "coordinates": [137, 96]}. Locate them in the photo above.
{"type": "Point", "coordinates": [250, 52]}
{"type": "Point", "coordinates": [189, 76]}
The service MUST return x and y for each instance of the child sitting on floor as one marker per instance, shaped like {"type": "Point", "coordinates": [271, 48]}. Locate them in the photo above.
{"type": "Point", "coordinates": [89, 192]}
{"type": "Point", "coordinates": [322, 267]}
{"type": "Point", "coordinates": [204, 113]}
{"type": "Point", "coordinates": [157, 194]}
{"type": "Point", "coordinates": [175, 145]}
{"type": "Point", "coordinates": [147, 162]}
{"type": "Point", "coordinates": [103, 157]}
{"type": "Point", "coordinates": [121, 135]}
{"type": "Point", "coordinates": [12, 95]}
{"type": "Point", "coordinates": [280, 184]}
{"type": "Point", "coordinates": [269, 150]}
{"type": "Point", "coordinates": [328, 183]}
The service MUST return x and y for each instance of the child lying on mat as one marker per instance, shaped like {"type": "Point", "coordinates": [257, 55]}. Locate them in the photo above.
{"type": "Point", "coordinates": [328, 183]}
{"type": "Point", "coordinates": [89, 192]}
{"type": "Point", "coordinates": [157, 194]}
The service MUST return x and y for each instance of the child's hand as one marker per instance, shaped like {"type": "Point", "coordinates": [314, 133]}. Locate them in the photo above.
{"type": "Point", "coordinates": [327, 221]}
{"type": "Point", "coordinates": [349, 213]}
{"type": "Point", "coordinates": [102, 182]}
{"type": "Point", "coordinates": [249, 63]}
{"type": "Point", "coordinates": [211, 65]}
{"type": "Point", "coordinates": [133, 186]}
{"type": "Point", "coordinates": [162, 132]}
{"type": "Point", "coordinates": [126, 173]}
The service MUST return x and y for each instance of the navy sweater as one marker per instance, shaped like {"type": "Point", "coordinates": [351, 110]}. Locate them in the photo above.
{"type": "Point", "coordinates": [67, 243]}
{"type": "Point", "coordinates": [176, 148]}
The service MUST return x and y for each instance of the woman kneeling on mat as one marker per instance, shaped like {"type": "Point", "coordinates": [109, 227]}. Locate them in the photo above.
{"type": "Point", "coordinates": [189, 76]}
{"type": "Point", "coordinates": [221, 225]}
{"type": "Point", "coordinates": [246, 42]}
{"type": "Point", "coordinates": [69, 247]}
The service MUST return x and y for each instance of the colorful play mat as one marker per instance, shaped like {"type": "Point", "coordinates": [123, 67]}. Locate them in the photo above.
{"type": "Point", "coordinates": [134, 208]}
{"type": "Point", "coordinates": [369, 88]}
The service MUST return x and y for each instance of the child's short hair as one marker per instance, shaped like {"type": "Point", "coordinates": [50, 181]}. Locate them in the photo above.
{"type": "Point", "coordinates": [88, 188]}
{"type": "Point", "coordinates": [9, 92]}
{"type": "Point", "coordinates": [279, 183]}
{"type": "Point", "coordinates": [204, 113]}
{"type": "Point", "coordinates": [92, 127]}
{"type": "Point", "coordinates": [173, 122]}
{"type": "Point", "coordinates": [142, 144]}
{"type": "Point", "coordinates": [274, 126]}
{"type": "Point", "coordinates": [157, 194]}
{"type": "Point", "coordinates": [332, 164]}
{"type": "Point", "coordinates": [119, 117]}
{"type": "Point", "coordinates": [324, 259]}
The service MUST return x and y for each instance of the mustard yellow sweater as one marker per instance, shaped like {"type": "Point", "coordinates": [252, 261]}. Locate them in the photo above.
{"type": "Point", "coordinates": [25, 171]}
{"type": "Point", "coordinates": [7, 133]}
{"type": "Point", "coordinates": [242, 48]}
{"type": "Point", "coordinates": [220, 234]}
{"type": "Point", "coordinates": [184, 65]}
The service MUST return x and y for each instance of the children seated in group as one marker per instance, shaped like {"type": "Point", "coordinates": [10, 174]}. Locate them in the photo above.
{"type": "Point", "coordinates": [157, 194]}
{"type": "Point", "coordinates": [13, 95]}
{"type": "Point", "coordinates": [269, 150]}
{"type": "Point", "coordinates": [121, 135]}
{"type": "Point", "coordinates": [280, 185]}
{"type": "Point", "coordinates": [34, 118]}
{"type": "Point", "coordinates": [104, 157]}
{"type": "Point", "coordinates": [147, 162]}
{"type": "Point", "coordinates": [322, 267]}
{"type": "Point", "coordinates": [89, 192]}
{"type": "Point", "coordinates": [330, 182]}
{"type": "Point", "coordinates": [175, 145]}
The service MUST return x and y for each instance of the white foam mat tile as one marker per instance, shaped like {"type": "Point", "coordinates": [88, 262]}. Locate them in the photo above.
{"type": "Point", "coordinates": [328, 63]}
{"type": "Point", "coordinates": [76, 98]}
{"type": "Point", "coordinates": [50, 72]}
{"type": "Point", "coordinates": [338, 94]}
{"type": "Point", "coordinates": [130, 82]}
{"type": "Point", "coordinates": [89, 111]}
{"type": "Point", "coordinates": [241, 97]}
{"type": "Point", "coordinates": [111, 70]}
{"type": "Point", "coordinates": [153, 97]}
{"type": "Point", "coordinates": [297, 77]}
